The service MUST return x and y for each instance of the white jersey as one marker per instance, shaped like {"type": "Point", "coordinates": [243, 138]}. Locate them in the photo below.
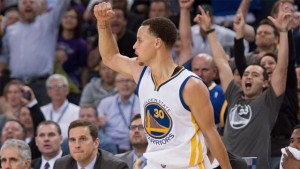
{"type": "Point", "coordinates": [174, 138]}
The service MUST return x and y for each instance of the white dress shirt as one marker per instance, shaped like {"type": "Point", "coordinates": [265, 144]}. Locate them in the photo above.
{"type": "Point", "coordinates": [67, 113]}
{"type": "Point", "coordinates": [51, 162]}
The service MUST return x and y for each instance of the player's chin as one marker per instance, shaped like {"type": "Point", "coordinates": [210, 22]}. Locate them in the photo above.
{"type": "Point", "coordinates": [141, 63]}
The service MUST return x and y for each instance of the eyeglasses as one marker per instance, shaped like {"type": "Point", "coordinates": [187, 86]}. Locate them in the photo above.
{"type": "Point", "coordinates": [56, 86]}
{"type": "Point", "coordinates": [139, 127]}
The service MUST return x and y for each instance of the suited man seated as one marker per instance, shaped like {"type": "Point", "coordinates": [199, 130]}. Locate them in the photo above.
{"type": "Point", "coordinates": [138, 140]}
{"type": "Point", "coordinates": [84, 153]}
{"type": "Point", "coordinates": [48, 140]}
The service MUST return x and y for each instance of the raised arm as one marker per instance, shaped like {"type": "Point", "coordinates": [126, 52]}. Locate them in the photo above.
{"type": "Point", "coordinates": [244, 7]}
{"type": "Point", "coordinates": [108, 46]}
{"type": "Point", "coordinates": [218, 52]}
{"type": "Point", "coordinates": [185, 32]}
{"type": "Point", "coordinates": [291, 81]}
{"type": "Point", "coordinates": [249, 30]}
{"type": "Point", "coordinates": [239, 48]}
{"type": "Point", "coordinates": [282, 22]}
{"type": "Point", "coordinates": [54, 16]}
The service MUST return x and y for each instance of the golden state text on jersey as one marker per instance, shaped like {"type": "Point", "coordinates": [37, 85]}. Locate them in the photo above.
{"type": "Point", "coordinates": [158, 123]}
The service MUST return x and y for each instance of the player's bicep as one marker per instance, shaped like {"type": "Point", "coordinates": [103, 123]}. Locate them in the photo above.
{"type": "Point", "coordinates": [196, 96]}
{"type": "Point", "coordinates": [125, 65]}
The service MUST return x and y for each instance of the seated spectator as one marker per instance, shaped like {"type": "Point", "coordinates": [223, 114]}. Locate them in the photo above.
{"type": "Point", "coordinates": [13, 97]}
{"type": "Point", "coordinates": [89, 113]}
{"type": "Point", "coordinates": [138, 141]}
{"type": "Point", "coordinates": [99, 88]}
{"type": "Point", "coordinates": [115, 112]}
{"type": "Point", "coordinates": [83, 137]}
{"type": "Point", "coordinates": [48, 140]}
{"type": "Point", "coordinates": [28, 109]}
{"type": "Point", "coordinates": [26, 119]}
{"type": "Point", "coordinates": [13, 129]}
{"type": "Point", "coordinates": [15, 154]}
{"type": "Point", "coordinates": [59, 110]}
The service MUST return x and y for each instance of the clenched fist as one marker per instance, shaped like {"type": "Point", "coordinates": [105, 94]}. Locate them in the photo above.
{"type": "Point", "coordinates": [103, 12]}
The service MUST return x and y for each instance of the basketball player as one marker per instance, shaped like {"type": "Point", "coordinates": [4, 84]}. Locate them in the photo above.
{"type": "Point", "coordinates": [177, 113]}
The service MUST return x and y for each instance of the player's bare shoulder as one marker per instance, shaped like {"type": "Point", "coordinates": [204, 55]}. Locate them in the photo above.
{"type": "Point", "coordinates": [136, 68]}
{"type": "Point", "coordinates": [193, 86]}
{"type": "Point", "coordinates": [195, 83]}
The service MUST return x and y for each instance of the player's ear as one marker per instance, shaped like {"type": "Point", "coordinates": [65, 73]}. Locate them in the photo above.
{"type": "Point", "coordinates": [158, 42]}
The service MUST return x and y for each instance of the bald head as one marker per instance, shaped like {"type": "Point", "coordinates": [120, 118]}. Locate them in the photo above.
{"type": "Point", "coordinates": [203, 66]}
{"type": "Point", "coordinates": [206, 57]}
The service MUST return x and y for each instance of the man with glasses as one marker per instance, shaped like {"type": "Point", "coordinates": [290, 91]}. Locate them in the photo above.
{"type": "Point", "coordinates": [115, 112]}
{"type": "Point", "coordinates": [84, 152]}
{"type": "Point", "coordinates": [139, 143]}
{"type": "Point", "coordinates": [59, 110]}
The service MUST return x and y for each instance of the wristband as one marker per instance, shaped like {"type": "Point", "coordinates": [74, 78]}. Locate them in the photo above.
{"type": "Point", "coordinates": [104, 26]}
{"type": "Point", "coordinates": [282, 30]}
{"type": "Point", "coordinates": [209, 31]}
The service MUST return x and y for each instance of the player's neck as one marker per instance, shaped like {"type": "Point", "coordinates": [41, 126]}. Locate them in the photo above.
{"type": "Point", "coordinates": [162, 66]}
{"type": "Point", "coordinates": [163, 72]}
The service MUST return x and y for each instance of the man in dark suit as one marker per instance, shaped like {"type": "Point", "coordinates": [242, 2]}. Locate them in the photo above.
{"type": "Point", "coordinates": [139, 143]}
{"type": "Point", "coordinates": [83, 143]}
{"type": "Point", "coordinates": [48, 141]}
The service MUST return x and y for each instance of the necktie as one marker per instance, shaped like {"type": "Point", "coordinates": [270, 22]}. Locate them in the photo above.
{"type": "Point", "coordinates": [138, 163]}
{"type": "Point", "coordinates": [47, 166]}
